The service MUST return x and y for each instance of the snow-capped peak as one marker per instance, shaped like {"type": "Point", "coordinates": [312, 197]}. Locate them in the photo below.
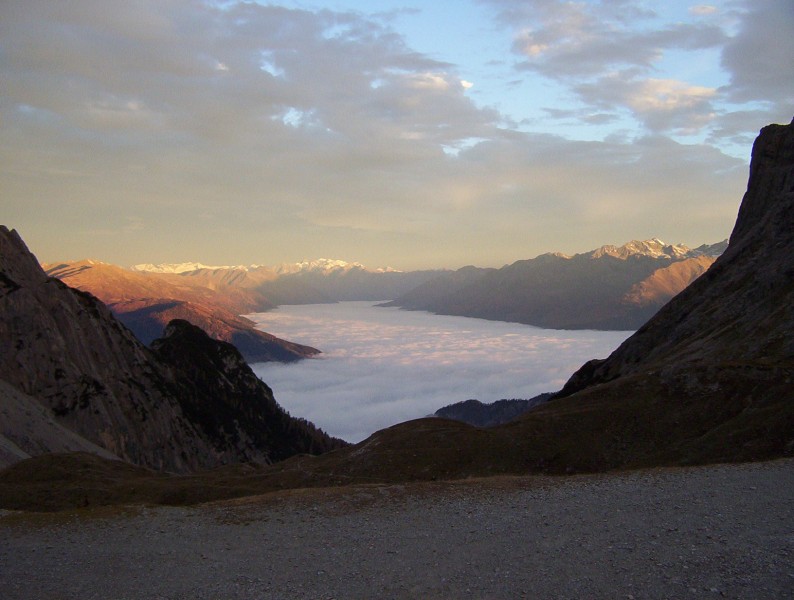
{"type": "Point", "coordinates": [320, 265]}
{"type": "Point", "coordinates": [653, 247]}
{"type": "Point", "coordinates": [324, 266]}
{"type": "Point", "coordinates": [177, 267]}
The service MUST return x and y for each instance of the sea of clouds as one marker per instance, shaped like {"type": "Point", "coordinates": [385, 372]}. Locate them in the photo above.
{"type": "Point", "coordinates": [382, 366]}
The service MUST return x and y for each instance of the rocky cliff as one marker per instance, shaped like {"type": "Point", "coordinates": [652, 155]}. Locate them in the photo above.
{"type": "Point", "coordinates": [740, 313]}
{"type": "Point", "coordinates": [64, 348]}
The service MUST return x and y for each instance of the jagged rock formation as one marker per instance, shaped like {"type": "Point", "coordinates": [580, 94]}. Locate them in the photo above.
{"type": "Point", "coordinates": [612, 287]}
{"type": "Point", "coordinates": [236, 406]}
{"type": "Point", "coordinates": [709, 379]}
{"type": "Point", "coordinates": [64, 348]}
{"type": "Point", "coordinates": [740, 314]}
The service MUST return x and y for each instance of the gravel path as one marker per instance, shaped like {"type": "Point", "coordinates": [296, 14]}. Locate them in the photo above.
{"type": "Point", "coordinates": [710, 532]}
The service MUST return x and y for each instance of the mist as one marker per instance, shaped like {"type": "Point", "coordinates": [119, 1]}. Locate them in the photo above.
{"type": "Point", "coordinates": [383, 366]}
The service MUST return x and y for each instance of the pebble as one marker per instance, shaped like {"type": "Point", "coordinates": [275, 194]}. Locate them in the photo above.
{"type": "Point", "coordinates": [645, 534]}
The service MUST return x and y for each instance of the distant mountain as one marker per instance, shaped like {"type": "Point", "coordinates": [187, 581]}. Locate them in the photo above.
{"type": "Point", "coordinates": [612, 287]}
{"type": "Point", "coordinates": [656, 289]}
{"type": "Point", "coordinates": [354, 283]}
{"type": "Point", "coordinates": [177, 268]}
{"type": "Point", "coordinates": [320, 265]}
{"type": "Point", "coordinates": [736, 321]}
{"type": "Point", "coordinates": [146, 301]}
{"type": "Point", "coordinates": [709, 379]}
{"type": "Point", "coordinates": [148, 317]}
{"type": "Point", "coordinates": [189, 403]}
{"type": "Point", "coordinates": [323, 266]}
{"type": "Point", "coordinates": [480, 414]}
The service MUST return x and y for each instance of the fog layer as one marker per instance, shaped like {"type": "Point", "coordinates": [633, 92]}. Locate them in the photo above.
{"type": "Point", "coordinates": [382, 366]}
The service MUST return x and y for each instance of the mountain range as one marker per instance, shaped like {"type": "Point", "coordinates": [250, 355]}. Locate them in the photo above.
{"type": "Point", "coordinates": [146, 297]}
{"type": "Point", "coordinates": [710, 378]}
{"type": "Point", "coordinates": [612, 287]}
{"type": "Point", "coordinates": [189, 402]}
{"type": "Point", "coordinates": [146, 302]}
{"type": "Point", "coordinates": [481, 414]}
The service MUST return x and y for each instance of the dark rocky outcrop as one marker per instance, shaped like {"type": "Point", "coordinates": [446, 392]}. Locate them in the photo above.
{"type": "Point", "coordinates": [481, 414]}
{"type": "Point", "coordinates": [709, 379]}
{"type": "Point", "coordinates": [741, 311]}
{"type": "Point", "coordinates": [64, 348]}
{"type": "Point", "coordinates": [219, 392]}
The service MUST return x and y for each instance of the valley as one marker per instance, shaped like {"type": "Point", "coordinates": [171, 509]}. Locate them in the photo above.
{"type": "Point", "coordinates": [383, 366]}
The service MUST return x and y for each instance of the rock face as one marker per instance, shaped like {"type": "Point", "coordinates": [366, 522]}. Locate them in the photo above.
{"type": "Point", "coordinates": [237, 406]}
{"type": "Point", "coordinates": [709, 379]}
{"type": "Point", "coordinates": [741, 311]}
{"type": "Point", "coordinates": [65, 349]}
{"type": "Point", "coordinates": [27, 428]}
{"type": "Point", "coordinates": [612, 287]}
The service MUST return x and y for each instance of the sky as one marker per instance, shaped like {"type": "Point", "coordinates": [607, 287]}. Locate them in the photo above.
{"type": "Point", "coordinates": [382, 366]}
{"type": "Point", "coordinates": [397, 133]}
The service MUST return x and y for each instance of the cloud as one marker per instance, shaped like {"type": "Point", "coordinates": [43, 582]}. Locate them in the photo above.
{"type": "Point", "coordinates": [703, 9]}
{"type": "Point", "coordinates": [591, 48]}
{"type": "Point", "coordinates": [565, 39]}
{"type": "Point", "coordinates": [759, 56]}
{"type": "Point", "coordinates": [385, 366]}
{"type": "Point", "coordinates": [322, 133]}
{"type": "Point", "coordinates": [661, 104]}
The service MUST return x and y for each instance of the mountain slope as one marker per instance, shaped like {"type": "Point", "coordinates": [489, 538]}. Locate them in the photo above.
{"type": "Point", "coordinates": [146, 302]}
{"type": "Point", "coordinates": [28, 429]}
{"type": "Point", "coordinates": [65, 349]}
{"type": "Point", "coordinates": [709, 379]}
{"type": "Point", "coordinates": [481, 414]}
{"type": "Point", "coordinates": [609, 288]}
{"type": "Point", "coordinates": [741, 310]}
{"type": "Point", "coordinates": [657, 289]}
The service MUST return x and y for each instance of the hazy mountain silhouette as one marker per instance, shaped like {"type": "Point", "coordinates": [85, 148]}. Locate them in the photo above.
{"type": "Point", "coordinates": [710, 378]}
{"type": "Point", "coordinates": [481, 414]}
{"type": "Point", "coordinates": [612, 287]}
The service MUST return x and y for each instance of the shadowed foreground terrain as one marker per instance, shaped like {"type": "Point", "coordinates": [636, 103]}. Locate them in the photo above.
{"type": "Point", "coordinates": [709, 379]}
{"type": "Point", "coordinates": [704, 532]}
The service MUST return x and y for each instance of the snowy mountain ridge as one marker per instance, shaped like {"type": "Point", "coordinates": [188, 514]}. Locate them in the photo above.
{"type": "Point", "coordinates": [320, 265]}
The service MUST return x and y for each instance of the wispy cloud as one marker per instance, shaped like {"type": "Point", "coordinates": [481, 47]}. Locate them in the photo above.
{"type": "Point", "coordinates": [317, 132]}
{"type": "Point", "coordinates": [382, 366]}
{"type": "Point", "coordinates": [594, 47]}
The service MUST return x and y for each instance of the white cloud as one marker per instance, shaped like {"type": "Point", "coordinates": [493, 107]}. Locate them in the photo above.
{"type": "Point", "coordinates": [586, 47]}
{"type": "Point", "coordinates": [667, 95]}
{"type": "Point", "coordinates": [703, 9]}
{"type": "Point", "coordinates": [384, 366]}
{"type": "Point", "coordinates": [660, 104]}
{"type": "Point", "coordinates": [429, 81]}
{"type": "Point", "coordinates": [318, 132]}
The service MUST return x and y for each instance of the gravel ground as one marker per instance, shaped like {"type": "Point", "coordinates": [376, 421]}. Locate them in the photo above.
{"type": "Point", "coordinates": [707, 532]}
